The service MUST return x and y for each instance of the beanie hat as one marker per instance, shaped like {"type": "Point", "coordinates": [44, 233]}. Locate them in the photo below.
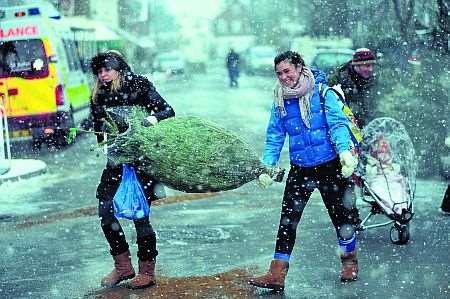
{"type": "Point", "coordinates": [108, 60]}
{"type": "Point", "coordinates": [363, 56]}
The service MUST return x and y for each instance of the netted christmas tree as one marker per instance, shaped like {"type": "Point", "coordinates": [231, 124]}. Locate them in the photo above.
{"type": "Point", "coordinates": [186, 153]}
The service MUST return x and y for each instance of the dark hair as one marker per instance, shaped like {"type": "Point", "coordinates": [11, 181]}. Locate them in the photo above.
{"type": "Point", "coordinates": [291, 56]}
{"type": "Point", "coordinates": [109, 59]}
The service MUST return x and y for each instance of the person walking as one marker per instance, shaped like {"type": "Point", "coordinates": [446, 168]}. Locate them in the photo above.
{"type": "Point", "coordinates": [116, 85]}
{"type": "Point", "coordinates": [232, 63]}
{"type": "Point", "coordinates": [320, 157]}
{"type": "Point", "coordinates": [357, 81]}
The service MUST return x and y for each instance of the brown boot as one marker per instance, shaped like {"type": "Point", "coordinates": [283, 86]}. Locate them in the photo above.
{"type": "Point", "coordinates": [274, 279]}
{"type": "Point", "coordinates": [146, 277]}
{"type": "Point", "coordinates": [349, 270]}
{"type": "Point", "coordinates": [123, 269]}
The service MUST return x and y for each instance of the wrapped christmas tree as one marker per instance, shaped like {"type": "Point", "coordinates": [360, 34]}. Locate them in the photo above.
{"type": "Point", "coordinates": [185, 153]}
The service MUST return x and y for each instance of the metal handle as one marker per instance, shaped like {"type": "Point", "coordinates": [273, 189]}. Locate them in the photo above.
{"type": "Point", "coordinates": [5, 150]}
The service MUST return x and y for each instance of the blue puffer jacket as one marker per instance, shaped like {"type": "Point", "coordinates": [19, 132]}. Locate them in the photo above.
{"type": "Point", "coordinates": [312, 146]}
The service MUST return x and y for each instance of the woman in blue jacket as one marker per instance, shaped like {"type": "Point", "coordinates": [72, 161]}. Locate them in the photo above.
{"type": "Point", "coordinates": [320, 155]}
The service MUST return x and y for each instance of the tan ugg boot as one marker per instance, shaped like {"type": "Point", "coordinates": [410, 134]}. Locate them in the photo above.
{"type": "Point", "coordinates": [146, 277]}
{"type": "Point", "coordinates": [123, 270]}
{"type": "Point", "coordinates": [349, 270]}
{"type": "Point", "coordinates": [274, 279]}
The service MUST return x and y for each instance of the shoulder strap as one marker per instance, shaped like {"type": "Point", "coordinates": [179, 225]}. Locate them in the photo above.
{"type": "Point", "coordinates": [323, 89]}
{"type": "Point", "coordinates": [355, 132]}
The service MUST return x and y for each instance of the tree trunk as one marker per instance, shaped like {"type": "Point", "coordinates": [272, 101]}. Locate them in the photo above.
{"type": "Point", "coordinates": [404, 16]}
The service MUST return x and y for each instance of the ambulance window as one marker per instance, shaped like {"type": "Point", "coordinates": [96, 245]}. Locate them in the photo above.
{"type": "Point", "coordinates": [76, 57]}
{"type": "Point", "coordinates": [70, 58]}
{"type": "Point", "coordinates": [24, 58]}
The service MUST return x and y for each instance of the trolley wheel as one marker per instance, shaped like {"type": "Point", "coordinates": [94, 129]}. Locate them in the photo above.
{"type": "Point", "coordinates": [400, 233]}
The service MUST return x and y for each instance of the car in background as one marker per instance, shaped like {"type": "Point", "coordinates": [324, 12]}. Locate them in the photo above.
{"type": "Point", "coordinates": [259, 60]}
{"type": "Point", "coordinates": [327, 59]}
{"type": "Point", "coordinates": [169, 63]}
{"type": "Point", "coordinates": [445, 157]}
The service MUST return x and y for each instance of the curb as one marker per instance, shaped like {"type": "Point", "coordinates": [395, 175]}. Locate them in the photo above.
{"type": "Point", "coordinates": [23, 169]}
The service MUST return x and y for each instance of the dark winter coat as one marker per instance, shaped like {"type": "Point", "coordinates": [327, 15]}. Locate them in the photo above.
{"type": "Point", "coordinates": [359, 92]}
{"type": "Point", "coordinates": [136, 90]}
{"type": "Point", "coordinates": [233, 60]}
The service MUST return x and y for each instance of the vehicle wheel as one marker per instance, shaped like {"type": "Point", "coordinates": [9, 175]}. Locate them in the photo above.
{"type": "Point", "coordinates": [36, 143]}
{"type": "Point", "coordinates": [400, 234]}
{"type": "Point", "coordinates": [58, 139]}
{"type": "Point", "coordinates": [87, 124]}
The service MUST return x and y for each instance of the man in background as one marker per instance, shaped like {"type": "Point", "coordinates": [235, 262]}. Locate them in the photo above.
{"type": "Point", "coordinates": [232, 63]}
{"type": "Point", "coordinates": [356, 79]}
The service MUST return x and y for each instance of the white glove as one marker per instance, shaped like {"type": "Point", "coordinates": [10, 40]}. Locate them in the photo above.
{"type": "Point", "coordinates": [149, 121]}
{"type": "Point", "coordinates": [348, 162]}
{"type": "Point", "coordinates": [264, 180]}
{"type": "Point", "coordinates": [447, 141]}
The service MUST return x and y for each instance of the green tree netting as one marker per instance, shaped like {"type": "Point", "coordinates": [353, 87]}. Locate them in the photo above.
{"type": "Point", "coordinates": [187, 153]}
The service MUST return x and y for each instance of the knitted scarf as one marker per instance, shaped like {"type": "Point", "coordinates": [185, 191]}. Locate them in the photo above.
{"type": "Point", "coordinates": [303, 90]}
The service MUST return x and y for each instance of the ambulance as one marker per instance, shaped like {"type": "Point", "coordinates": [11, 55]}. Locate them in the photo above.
{"type": "Point", "coordinates": [42, 84]}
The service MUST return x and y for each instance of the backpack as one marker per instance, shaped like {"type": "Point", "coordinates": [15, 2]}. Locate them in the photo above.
{"type": "Point", "coordinates": [354, 130]}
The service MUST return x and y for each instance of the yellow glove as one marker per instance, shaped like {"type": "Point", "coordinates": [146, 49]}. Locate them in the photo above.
{"type": "Point", "coordinates": [348, 162]}
{"type": "Point", "coordinates": [264, 180]}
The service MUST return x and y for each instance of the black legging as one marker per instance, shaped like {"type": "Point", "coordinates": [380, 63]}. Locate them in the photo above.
{"type": "Point", "coordinates": [146, 237]}
{"type": "Point", "coordinates": [300, 184]}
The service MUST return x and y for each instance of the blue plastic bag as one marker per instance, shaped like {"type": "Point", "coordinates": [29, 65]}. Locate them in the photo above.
{"type": "Point", "coordinates": [129, 201]}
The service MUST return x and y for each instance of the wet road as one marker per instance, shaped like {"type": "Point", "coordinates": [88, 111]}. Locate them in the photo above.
{"type": "Point", "coordinates": [209, 245]}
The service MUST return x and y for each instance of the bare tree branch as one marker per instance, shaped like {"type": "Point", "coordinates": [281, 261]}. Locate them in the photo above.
{"type": "Point", "coordinates": [405, 19]}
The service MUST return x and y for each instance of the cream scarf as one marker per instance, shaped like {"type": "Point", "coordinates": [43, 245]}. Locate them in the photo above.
{"type": "Point", "coordinates": [303, 90]}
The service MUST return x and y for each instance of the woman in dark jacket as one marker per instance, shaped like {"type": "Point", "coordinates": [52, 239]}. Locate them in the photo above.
{"type": "Point", "coordinates": [117, 85]}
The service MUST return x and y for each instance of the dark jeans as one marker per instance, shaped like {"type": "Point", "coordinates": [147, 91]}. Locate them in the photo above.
{"type": "Point", "coordinates": [445, 206]}
{"type": "Point", "coordinates": [336, 193]}
{"type": "Point", "coordinates": [146, 237]}
{"type": "Point", "coordinates": [234, 75]}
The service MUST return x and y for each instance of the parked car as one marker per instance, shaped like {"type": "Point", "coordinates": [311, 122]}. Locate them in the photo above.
{"type": "Point", "coordinates": [170, 63]}
{"type": "Point", "coordinates": [327, 59]}
{"type": "Point", "coordinates": [259, 60]}
{"type": "Point", "coordinates": [445, 157]}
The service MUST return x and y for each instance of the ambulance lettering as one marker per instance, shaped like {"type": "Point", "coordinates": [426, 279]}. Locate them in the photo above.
{"type": "Point", "coordinates": [19, 31]}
